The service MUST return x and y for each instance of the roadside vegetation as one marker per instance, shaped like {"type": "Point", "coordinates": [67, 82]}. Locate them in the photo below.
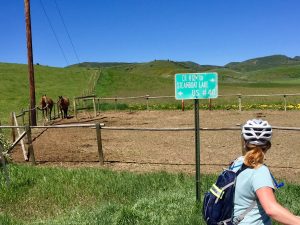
{"type": "Point", "coordinates": [49, 196]}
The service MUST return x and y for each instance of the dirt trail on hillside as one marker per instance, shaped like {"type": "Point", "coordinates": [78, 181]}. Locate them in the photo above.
{"type": "Point", "coordinates": [172, 151]}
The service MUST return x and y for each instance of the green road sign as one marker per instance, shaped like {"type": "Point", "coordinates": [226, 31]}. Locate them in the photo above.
{"type": "Point", "coordinates": [196, 85]}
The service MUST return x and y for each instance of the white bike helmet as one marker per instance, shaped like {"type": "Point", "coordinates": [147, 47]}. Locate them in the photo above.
{"type": "Point", "coordinates": [257, 132]}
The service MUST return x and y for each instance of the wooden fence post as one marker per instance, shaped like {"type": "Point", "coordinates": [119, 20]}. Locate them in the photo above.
{"type": "Point", "coordinates": [54, 106]}
{"type": "Point", "coordinates": [13, 131]}
{"type": "Point", "coordinates": [209, 104]}
{"type": "Point", "coordinates": [94, 105]}
{"type": "Point", "coordinates": [99, 143]}
{"type": "Point", "coordinates": [30, 146]}
{"type": "Point", "coordinates": [240, 102]}
{"type": "Point", "coordinates": [98, 105]}
{"type": "Point", "coordinates": [284, 97]}
{"type": "Point", "coordinates": [74, 105]}
{"type": "Point", "coordinates": [147, 101]}
{"type": "Point", "coordinates": [23, 119]}
{"type": "Point", "coordinates": [19, 134]}
{"type": "Point", "coordinates": [116, 103]}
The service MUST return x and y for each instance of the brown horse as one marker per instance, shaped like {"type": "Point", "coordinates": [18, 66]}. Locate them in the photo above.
{"type": "Point", "coordinates": [63, 105]}
{"type": "Point", "coordinates": [47, 105]}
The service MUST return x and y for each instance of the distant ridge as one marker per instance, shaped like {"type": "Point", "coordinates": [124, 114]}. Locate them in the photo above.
{"type": "Point", "coordinates": [263, 63]}
{"type": "Point", "coordinates": [99, 64]}
{"type": "Point", "coordinates": [188, 65]}
{"type": "Point", "coordinates": [244, 66]}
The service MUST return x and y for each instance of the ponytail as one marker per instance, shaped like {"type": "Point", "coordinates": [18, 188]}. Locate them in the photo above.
{"type": "Point", "coordinates": [255, 154]}
{"type": "Point", "coordinates": [254, 158]}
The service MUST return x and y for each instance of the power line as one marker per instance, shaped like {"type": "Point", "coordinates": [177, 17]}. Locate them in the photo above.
{"type": "Point", "coordinates": [60, 14]}
{"type": "Point", "coordinates": [54, 33]}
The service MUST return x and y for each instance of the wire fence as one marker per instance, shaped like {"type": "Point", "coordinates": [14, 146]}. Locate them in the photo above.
{"type": "Point", "coordinates": [27, 132]}
{"type": "Point", "coordinates": [91, 102]}
{"type": "Point", "coordinates": [239, 102]}
{"type": "Point", "coordinates": [158, 156]}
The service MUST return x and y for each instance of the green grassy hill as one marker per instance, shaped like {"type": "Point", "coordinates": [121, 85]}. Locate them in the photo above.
{"type": "Point", "coordinates": [158, 65]}
{"type": "Point", "coordinates": [14, 88]}
{"type": "Point", "coordinates": [157, 78]}
{"type": "Point", "coordinates": [153, 78]}
{"type": "Point", "coordinates": [263, 63]}
{"type": "Point", "coordinates": [265, 75]}
{"type": "Point", "coordinates": [99, 64]}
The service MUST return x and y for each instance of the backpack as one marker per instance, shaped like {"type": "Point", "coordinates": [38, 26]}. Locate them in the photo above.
{"type": "Point", "coordinates": [218, 202]}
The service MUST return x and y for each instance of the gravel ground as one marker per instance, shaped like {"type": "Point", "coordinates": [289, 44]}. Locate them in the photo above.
{"type": "Point", "coordinates": [172, 151]}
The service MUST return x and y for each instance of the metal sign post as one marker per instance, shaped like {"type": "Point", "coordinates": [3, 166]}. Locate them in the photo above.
{"type": "Point", "coordinates": [197, 150]}
{"type": "Point", "coordinates": [196, 86]}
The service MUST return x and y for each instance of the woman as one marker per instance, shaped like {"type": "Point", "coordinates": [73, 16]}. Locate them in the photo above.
{"type": "Point", "coordinates": [254, 201]}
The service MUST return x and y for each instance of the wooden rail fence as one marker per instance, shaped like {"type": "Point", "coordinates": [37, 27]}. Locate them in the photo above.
{"type": "Point", "coordinates": [98, 127]}
{"type": "Point", "coordinates": [239, 98]}
{"type": "Point", "coordinates": [96, 103]}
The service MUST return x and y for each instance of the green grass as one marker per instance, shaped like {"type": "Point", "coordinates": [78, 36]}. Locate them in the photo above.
{"type": "Point", "coordinates": [155, 78]}
{"type": "Point", "coordinates": [52, 81]}
{"type": "Point", "coordinates": [98, 196]}
{"type": "Point", "coordinates": [133, 81]}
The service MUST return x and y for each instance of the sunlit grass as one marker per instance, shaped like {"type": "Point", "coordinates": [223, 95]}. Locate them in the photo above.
{"type": "Point", "coordinates": [14, 87]}
{"type": "Point", "coordinates": [98, 196]}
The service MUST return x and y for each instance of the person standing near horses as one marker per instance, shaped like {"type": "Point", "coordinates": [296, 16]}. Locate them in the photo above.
{"type": "Point", "coordinates": [254, 201]}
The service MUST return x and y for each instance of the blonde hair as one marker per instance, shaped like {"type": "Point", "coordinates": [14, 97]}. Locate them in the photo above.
{"type": "Point", "coordinates": [255, 155]}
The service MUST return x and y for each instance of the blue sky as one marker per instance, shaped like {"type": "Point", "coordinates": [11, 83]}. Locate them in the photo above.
{"type": "Point", "coordinates": [213, 32]}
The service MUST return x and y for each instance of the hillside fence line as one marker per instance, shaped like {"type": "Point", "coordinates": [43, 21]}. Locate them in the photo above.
{"type": "Point", "coordinates": [92, 102]}
{"type": "Point", "coordinates": [96, 100]}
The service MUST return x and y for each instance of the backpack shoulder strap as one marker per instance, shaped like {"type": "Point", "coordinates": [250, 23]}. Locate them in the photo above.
{"type": "Point", "coordinates": [243, 167]}
{"type": "Point", "coordinates": [240, 217]}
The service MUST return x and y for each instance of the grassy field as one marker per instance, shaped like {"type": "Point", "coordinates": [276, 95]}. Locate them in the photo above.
{"type": "Point", "coordinates": [97, 196]}
{"type": "Point", "coordinates": [52, 81]}
{"type": "Point", "coordinates": [47, 196]}
{"type": "Point", "coordinates": [155, 78]}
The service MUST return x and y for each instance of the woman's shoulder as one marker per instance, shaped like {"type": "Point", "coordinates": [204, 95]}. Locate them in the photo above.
{"type": "Point", "coordinates": [262, 177]}
{"type": "Point", "coordinates": [262, 170]}
{"type": "Point", "coordinates": [262, 167]}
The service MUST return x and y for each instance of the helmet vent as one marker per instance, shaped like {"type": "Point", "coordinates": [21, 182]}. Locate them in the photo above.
{"type": "Point", "coordinates": [257, 129]}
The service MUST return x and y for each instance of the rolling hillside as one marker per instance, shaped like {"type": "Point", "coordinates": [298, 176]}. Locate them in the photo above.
{"type": "Point", "coordinates": [14, 87]}
{"type": "Point", "coordinates": [263, 63]}
{"type": "Point", "coordinates": [276, 68]}
{"type": "Point", "coordinates": [271, 74]}
{"type": "Point", "coordinates": [157, 77]}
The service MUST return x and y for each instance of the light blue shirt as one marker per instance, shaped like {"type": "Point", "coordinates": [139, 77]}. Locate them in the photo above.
{"type": "Point", "coordinates": [248, 182]}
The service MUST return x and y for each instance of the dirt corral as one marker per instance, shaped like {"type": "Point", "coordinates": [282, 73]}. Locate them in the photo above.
{"type": "Point", "coordinates": [172, 151]}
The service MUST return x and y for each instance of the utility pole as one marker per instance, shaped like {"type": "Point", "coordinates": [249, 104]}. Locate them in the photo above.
{"type": "Point", "coordinates": [32, 110]}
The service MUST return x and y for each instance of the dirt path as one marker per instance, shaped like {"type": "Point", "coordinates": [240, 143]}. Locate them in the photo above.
{"type": "Point", "coordinates": [172, 151]}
